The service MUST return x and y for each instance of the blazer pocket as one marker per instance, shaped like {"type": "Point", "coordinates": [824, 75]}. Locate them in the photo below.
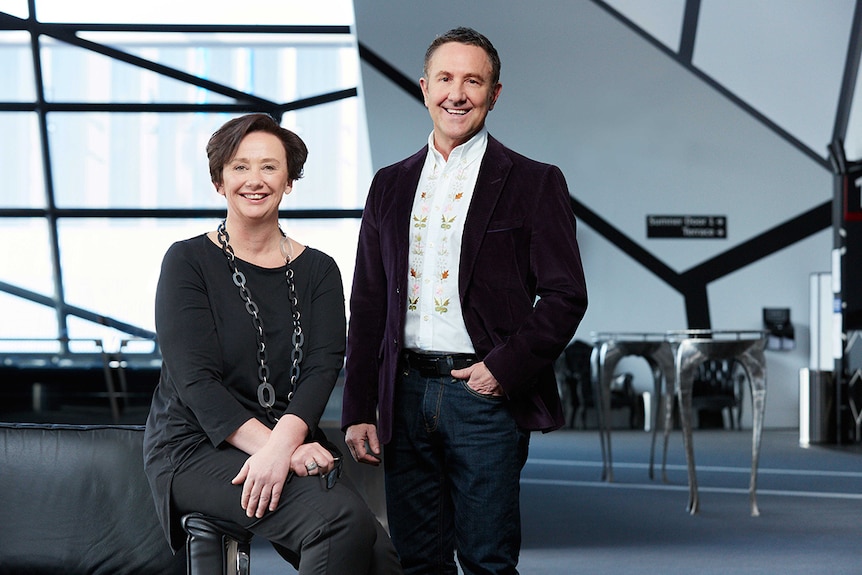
{"type": "Point", "coordinates": [505, 225]}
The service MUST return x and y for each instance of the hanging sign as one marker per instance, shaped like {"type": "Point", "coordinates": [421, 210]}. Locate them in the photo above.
{"type": "Point", "coordinates": [689, 227]}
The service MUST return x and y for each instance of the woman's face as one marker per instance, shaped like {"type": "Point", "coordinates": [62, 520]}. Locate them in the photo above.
{"type": "Point", "coordinates": [255, 179]}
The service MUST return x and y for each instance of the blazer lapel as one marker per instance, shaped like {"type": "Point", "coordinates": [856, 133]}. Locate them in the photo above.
{"type": "Point", "coordinates": [408, 180]}
{"type": "Point", "coordinates": [489, 185]}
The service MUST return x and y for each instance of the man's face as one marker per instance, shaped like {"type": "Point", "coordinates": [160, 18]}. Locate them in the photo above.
{"type": "Point", "coordinates": [458, 93]}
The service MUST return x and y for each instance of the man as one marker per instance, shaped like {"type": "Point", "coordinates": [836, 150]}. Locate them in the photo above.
{"type": "Point", "coordinates": [450, 353]}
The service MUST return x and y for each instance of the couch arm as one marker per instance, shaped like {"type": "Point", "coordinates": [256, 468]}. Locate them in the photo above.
{"type": "Point", "coordinates": [75, 500]}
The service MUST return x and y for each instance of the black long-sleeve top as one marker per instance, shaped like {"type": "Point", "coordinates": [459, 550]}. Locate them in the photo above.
{"type": "Point", "coordinates": [209, 378]}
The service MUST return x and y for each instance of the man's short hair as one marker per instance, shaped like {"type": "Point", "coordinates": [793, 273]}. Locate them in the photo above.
{"type": "Point", "coordinates": [470, 37]}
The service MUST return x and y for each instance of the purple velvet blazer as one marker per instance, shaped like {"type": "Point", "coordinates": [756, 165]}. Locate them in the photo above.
{"type": "Point", "coordinates": [519, 243]}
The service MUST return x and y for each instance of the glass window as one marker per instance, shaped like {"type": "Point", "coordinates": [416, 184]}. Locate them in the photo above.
{"type": "Point", "coordinates": [16, 61]}
{"type": "Point", "coordinates": [104, 160]}
{"type": "Point", "coordinates": [26, 319]}
{"type": "Point", "coordinates": [117, 275]}
{"type": "Point", "coordinates": [338, 168]}
{"type": "Point", "coordinates": [75, 74]}
{"type": "Point", "coordinates": [23, 183]}
{"type": "Point", "coordinates": [142, 160]}
{"type": "Point", "coordinates": [84, 332]}
{"type": "Point", "coordinates": [131, 136]}
{"type": "Point", "coordinates": [17, 8]}
{"type": "Point", "coordinates": [111, 266]}
{"type": "Point", "coordinates": [27, 256]}
{"type": "Point", "coordinates": [292, 12]}
{"type": "Point", "coordinates": [265, 65]}
{"type": "Point", "coordinates": [335, 237]}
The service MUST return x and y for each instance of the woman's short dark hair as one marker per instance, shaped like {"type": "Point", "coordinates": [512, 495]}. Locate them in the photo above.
{"type": "Point", "coordinates": [223, 144]}
{"type": "Point", "coordinates": [470, 37]}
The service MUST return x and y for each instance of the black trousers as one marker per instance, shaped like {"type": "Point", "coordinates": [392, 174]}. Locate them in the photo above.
{"type": "Point", "coordinates": [317, 530]}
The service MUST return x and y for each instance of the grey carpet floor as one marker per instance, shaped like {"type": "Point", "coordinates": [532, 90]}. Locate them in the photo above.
{"type": "Point", "coordinates": [810, 501]}
{"type": "Point", "coordinates": [573, 522]}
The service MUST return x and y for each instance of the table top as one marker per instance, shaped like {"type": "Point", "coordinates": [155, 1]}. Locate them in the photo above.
{"type": "Point", "coordinates": [678, 335]}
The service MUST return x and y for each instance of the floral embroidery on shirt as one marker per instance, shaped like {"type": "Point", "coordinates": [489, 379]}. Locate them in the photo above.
{"type": "Point", "coordinates": [441, 202]}
{"type": "Point", "coordinates": [438, 199]}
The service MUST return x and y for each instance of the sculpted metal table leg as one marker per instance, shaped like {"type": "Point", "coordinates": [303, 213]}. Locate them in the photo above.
{"type": "Point", "coordinates": [671, 393]}
{"type": "Point", "coordinates": [690, 353]}
{"type": "Point", "coordinates": [669, 399]}
{"type": "Point", "coordinates": [754, 362]}
{"type": "Point", "coordinates": [604, 359]}
{"type": "Point", "coordinates": [655, 401]}
{"type": "Point", "coordinates": [595, 376]}
{"type": "Point", "coordinates": [688, 357]}
{"type": "Point", "coordinates": [661, 360]}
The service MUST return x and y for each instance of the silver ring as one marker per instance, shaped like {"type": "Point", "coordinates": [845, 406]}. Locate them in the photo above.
{"type": "Point", "coordinates": [311, 466]}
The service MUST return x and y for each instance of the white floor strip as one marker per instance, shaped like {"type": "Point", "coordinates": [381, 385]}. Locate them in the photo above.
{"type": "Point", "coordinates": [701, 489]}
{"type": "Point", "coordinates": [710, 468]}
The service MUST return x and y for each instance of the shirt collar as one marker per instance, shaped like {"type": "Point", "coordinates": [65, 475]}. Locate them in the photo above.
{"type": "Point", "coordinates": [467, 152]}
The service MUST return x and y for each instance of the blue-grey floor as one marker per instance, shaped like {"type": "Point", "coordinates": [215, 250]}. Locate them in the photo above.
{"type": "Point", "coordinates": [810, 501]}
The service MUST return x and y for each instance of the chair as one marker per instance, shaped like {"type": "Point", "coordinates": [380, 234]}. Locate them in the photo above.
{"type": "Point", "coordinates": [215, 546]}
{"type": "Point", "coordinates": [718, 391]}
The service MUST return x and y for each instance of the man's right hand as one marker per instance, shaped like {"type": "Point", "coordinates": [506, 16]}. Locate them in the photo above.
{"type": "Point", "coordinates": [362, 441]}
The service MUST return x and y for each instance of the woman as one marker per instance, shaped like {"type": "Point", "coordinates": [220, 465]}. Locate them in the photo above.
{"type": "Point", "coordinates": [251, 327]}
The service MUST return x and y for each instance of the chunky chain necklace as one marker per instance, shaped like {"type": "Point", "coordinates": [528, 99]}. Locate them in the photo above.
{"type": "Point", "coordinates": [265, 391]}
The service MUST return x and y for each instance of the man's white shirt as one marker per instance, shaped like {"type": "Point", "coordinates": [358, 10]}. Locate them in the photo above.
{"type": "Point", "coordinates": [434, 320]}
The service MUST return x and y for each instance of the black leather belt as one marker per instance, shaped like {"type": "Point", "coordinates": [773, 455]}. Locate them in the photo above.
{"type": "Point", "coordinates": [437, 364]}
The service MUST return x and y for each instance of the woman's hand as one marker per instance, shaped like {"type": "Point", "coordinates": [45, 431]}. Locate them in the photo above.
{"type": "Point", "coordinates": [263, 476]}
{"type": "Point", "coordinates": [274, 454]}
{"type": "Point", "coordinates": [311, 459]}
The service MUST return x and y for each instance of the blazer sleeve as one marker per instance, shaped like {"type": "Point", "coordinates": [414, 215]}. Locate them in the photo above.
{"type": "Point", "coordinates": [368, 313]}
{"type": "Point", "coordinates": [555, 275]}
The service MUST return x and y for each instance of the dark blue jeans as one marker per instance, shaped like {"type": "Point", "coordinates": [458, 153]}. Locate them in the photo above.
{"type": "Point", "coordinates": [453, 472]}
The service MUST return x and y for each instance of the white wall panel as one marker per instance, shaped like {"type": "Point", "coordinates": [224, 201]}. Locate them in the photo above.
{"type": "Point", "coordinates": [623, 295]}
{"type": "Point", "coordinates": [662, 19]}
{"type": "Point", "coordinates": [784, 58]}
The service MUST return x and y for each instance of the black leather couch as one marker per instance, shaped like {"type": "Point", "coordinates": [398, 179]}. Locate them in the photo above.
{"type": "Point", "coordinates": [74, 500]}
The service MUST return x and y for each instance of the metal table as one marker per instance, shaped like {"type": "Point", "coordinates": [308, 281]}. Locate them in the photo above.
{"type": "Point", "coordinates": [674, 358]}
